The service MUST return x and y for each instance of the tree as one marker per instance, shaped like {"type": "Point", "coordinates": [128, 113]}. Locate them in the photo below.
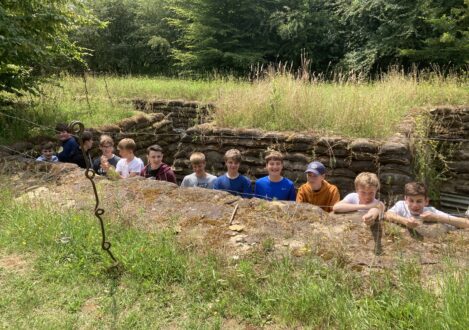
{"type": "Point", "coordinates": [447, 35]}
{"type": "Point", "coordinates": [310, 27]}
{"type": "Point", "coordinates": [377, 29]}
{"type": "Point", "coordinates": [225, 35]}
{"type": "Point", "coordinates": [34, 40]}
{"type": "Point", "coordinates": [135, 39]}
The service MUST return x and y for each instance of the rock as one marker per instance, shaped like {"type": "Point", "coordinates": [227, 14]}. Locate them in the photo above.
{"type": "Point", "coordinates": [237, 228]}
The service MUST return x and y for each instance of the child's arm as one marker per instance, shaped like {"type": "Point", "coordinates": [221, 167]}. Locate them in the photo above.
{"type": "Point", "coordinates": [343, 206]}
{"type": "Point", "coordinates": [171, 177]}
{"type": "Point", "coordinates": [445, 218]}
{"type": "Point", "coordinates": [395, 218]}
{"type": "Point", "coordinates": [67, 149]}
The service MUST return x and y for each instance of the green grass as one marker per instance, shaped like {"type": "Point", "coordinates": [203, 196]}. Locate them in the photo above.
{"type": "Point", "coordinates": [348, 106]}
{"type": "Point", "coordinates": [163, 284]}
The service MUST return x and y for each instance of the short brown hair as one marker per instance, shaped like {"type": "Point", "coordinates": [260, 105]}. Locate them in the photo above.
{"type": "Point", "coordinates": [415, 189]}
{"type": "Point", "coordinates": [86, 136]}
{"type": "Point", "coordinates": [155, 148]}
{"type": "Point", "coordinates": [62, 127]}
{"type": "Point", "coordinates": [233, 154]}
{"type": "Point", "coordinates": [127, 144]}
{"type": "Point", "coordinates": [197, 158]}
{"type": "Point", "coordinates": [273, 155]}
{"type": "Point", "coordinates": [106, 140]}
{"type": "Point", "coordinates": [367, 179]}
{"type": "Point", "coordinates": [48, 145]}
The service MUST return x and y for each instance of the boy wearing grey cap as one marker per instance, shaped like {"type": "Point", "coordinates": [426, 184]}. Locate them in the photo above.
{"type": "Point", "coordinates": [317, 190]}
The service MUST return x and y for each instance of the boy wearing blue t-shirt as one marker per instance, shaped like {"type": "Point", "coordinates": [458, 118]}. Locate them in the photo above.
{"type": "Point", "coordinates": [274, 186]}
{"type": "Point", "coordinates": [232, 181]}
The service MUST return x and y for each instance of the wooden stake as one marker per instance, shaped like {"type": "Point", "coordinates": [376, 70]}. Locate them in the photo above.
{"type": "Point", "coordinates": [233, 214]}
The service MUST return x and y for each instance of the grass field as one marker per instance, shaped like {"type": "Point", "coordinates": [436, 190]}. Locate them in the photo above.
{"type": "Point", "coordinates": [349, 107]}
{"type": "Point", "coordinates": [54, 275]}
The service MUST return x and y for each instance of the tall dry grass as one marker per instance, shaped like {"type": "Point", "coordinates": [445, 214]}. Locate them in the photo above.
{"type": "Point", "coordinates": [351, 107]}
{"type": "Point", "coordinates": [276, 99]}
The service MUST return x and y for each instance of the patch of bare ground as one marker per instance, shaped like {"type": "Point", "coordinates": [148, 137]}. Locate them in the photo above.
{"type": "Point", "coordinates": [15, 263]}
{"type": "Point", "coordinates": [200, 219]}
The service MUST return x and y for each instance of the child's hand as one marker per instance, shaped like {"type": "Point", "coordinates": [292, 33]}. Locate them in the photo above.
{"type": "Point", "coordinates": [412, 223]}
{"type": "Point", "coordinates": [429, 217]}
{"type": "Point", "coordinates": [370, 216]}
{"type": "Point", "coordinates": [105, 163]}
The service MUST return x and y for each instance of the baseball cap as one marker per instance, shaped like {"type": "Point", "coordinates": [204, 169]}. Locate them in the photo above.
{"type": "Point", "coordinates": [316, 167]}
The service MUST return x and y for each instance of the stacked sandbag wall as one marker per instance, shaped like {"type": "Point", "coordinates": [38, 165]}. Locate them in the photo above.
{"type": "Point", "coordinates": [344, 158]}
{"type": "Point", "coordinates": [183, 114]}
{"type": "Point", "coordinates": [449, 129]}
{"type": "Point", "coordinates": [145, 129]}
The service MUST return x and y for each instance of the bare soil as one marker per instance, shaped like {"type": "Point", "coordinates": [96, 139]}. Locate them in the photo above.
{"type": "Point", "coordinates": [200, 219]}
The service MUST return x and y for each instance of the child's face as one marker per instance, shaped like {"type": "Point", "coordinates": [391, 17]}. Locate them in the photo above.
{"type": "Point", "coordinates": [232, 165]}
{"type": "Point", "coordinates": [366, 194]}
{"type": "Point", "coordinates": [125, 153]}
{"type": "Point", "coordinates": [416, 203]}
{"type": "Point", "coordinates": [64, 135]}
{"type": "Point", "coordinates": [106, 149]}
{"type": "Point", "coordinates": [47, 153]}
{"type": "Point", "coordinates": [155, 157]}
{"type": "Point", "coordinates": [274, 167]}
{"type": "Point", "coordinates": [87, 145]}
{"type": "Point", "coordinates": [315, 180]}
{"type": "Point", "coordinates": [198, 168]}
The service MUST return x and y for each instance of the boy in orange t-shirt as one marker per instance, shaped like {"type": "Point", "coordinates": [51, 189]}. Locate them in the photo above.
{"type": "Point", "coordinates": [317, 190]}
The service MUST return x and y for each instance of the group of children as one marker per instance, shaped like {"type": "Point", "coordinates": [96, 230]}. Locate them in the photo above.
{"type": "Point", "coordinates": [410, 212]}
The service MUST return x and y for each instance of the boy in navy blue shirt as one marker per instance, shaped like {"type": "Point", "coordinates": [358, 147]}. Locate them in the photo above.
{"type": "Point", "coordinates": [70, 146]}
{"type": "Point", "coordinates": [274, 186]}
{"type": "Point", "coordinates": [232, 181]}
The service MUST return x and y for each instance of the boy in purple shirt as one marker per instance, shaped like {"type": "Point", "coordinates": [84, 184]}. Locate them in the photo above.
{"type": "Point", "coordinates": [274, 186]}
{"type": "Point", "coordinates": [156, 169]}
{"type": "Point", "coordinates": [232, 181]}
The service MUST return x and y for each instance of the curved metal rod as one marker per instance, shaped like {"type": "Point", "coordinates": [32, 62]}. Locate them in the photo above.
{"type": "Point", "coordinates": [77, 128]}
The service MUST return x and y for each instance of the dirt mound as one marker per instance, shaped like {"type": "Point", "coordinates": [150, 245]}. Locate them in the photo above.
{"type": "Point", "coordinates": [201, 219]}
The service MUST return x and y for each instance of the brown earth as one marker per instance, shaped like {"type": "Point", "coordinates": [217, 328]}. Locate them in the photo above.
{"type": "Point", "coordinates": [200, 217]}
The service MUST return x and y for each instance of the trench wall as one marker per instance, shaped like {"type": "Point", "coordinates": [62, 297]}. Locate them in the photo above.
{"type": "Point", "coordinates": [343, 157]}
{"type": "Point", "coordinates": [171, 125]}
{"type": "Point", "coordinates": [145, 129]}
{"type": "Point", "coordinates": [183, 114]}
{"type": "Point", "coordinates": [450, 131]}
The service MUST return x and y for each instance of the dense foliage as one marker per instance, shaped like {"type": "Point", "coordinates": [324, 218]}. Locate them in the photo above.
{"type": "Point", "coordinates": [34, 40]}
{"type": "Point", "coordinates": [161, 36]}
{"type": "Point", "coordinates": [227, 36]}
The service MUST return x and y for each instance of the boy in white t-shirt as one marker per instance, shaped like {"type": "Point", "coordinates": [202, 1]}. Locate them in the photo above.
{"type": "Point", "coordinates": [129, 165]}
{"type": "Point", "coordinates": [414, 209]}
{"type": "Point", "coordinates": [364, 199]}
